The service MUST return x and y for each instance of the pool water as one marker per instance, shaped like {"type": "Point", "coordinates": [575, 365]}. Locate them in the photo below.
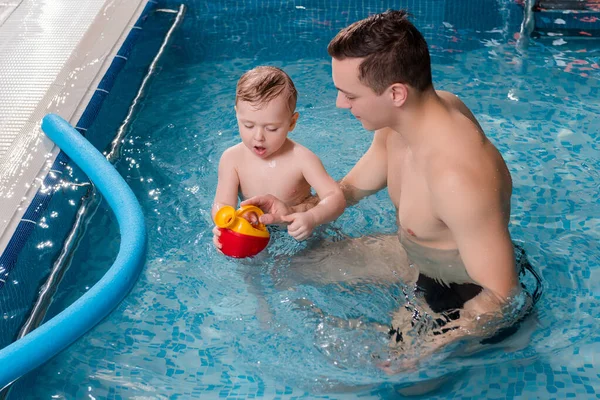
{"type": "Point", "coordinates": [200, 325]}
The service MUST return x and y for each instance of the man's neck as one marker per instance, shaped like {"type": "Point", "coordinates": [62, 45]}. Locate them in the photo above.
{"type": "Point", "coordinates": [416, 116]}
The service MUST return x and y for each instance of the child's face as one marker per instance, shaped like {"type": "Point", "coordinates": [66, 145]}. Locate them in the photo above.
{"type": "Point", "coordinates": [264, 130]}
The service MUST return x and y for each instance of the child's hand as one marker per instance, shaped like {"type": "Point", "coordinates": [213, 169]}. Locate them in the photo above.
{"type": "Point", "coordinates": [216, 236]}
{"type": "Point", "coordinates": [300, 225]}
{"type": "Point", "coordinates": [249, 216]}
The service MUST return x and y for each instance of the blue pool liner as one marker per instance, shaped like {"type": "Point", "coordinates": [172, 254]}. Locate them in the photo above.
{"type": "Point", "coordinates": [59, 332]}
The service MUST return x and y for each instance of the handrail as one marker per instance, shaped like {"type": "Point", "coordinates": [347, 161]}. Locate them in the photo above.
{"type": "Point", "coordinates": [49, 339]}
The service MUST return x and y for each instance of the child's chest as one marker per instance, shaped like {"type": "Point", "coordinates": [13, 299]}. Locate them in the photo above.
{"type": "Point", "coordinates": [278, 177]}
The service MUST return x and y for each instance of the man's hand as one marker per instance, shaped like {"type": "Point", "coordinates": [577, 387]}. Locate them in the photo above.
{"type": "Point", "coordinates": [301, 225]}
{"type": "Point", "coordinates": [274, 208]}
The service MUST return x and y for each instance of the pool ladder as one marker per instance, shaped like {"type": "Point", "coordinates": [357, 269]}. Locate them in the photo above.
{"type": "Point", "coordinates": [578, 19]}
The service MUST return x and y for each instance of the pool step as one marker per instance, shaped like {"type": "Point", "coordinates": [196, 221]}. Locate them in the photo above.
{"type": "Point", "coordinates": [572, 18]}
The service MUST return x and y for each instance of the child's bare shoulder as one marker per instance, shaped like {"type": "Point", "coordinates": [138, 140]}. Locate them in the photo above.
{"type": "Point", "coordinates": [232, 152]}
{"type": "Point", "coordinates": [302, 153]}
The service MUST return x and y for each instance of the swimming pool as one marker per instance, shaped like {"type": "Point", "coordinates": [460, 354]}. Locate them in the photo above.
{"type": "Point", "coordinates": [198, 325]}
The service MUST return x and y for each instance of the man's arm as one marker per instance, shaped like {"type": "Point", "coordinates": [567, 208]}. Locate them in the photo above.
{"type": "Point", "coordinates": [368, 176]}
{"type": "Point", "coordinates": [475, 209]}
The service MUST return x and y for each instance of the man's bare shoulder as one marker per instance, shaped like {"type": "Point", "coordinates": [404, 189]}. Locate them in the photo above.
{"type": "Point", "coordinates": [470, 182]}
{"type": "Point", "coordinates": [454, 103]}
{"type": "Point", "coordinates": [463, 195]}
{"type": "Point", "coordinates": [465, 159]}
{"type": "Point", "coordinates": [384, 134]}
{"type": "Point", "coordinates": [448, 96]}
{"type": "Point", "coordinates": [452, 100]}
{"type": "Point", "coordinates": [385, 139]}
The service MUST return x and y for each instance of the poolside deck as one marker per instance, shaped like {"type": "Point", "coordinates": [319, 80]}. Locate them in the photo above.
{"type": "Point", "coordinates": [53, 54]}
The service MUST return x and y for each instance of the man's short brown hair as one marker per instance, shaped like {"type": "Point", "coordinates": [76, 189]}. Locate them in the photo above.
{"type": "Point", "coordinates": [394, 51]}
{"type": "Point", "coordinates": [262, 84]}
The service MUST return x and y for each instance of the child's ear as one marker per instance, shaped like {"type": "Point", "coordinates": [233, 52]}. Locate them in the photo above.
{"type": "Point", "coordinates": [294, 120]}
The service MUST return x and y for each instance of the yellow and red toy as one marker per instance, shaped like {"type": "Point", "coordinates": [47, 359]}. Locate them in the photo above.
{"type": "Point", "coordinates": [239, 238]}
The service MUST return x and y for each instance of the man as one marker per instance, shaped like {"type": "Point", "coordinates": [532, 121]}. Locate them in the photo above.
{"type": "Point", "coordinates": [449, 184]}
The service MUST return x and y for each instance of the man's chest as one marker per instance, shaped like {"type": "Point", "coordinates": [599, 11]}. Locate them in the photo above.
{"type": "Point", "coordinates": [410, 194]}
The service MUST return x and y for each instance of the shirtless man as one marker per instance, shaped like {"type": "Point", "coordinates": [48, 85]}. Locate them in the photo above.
{"type": "Point", "coordinates": [449, 184]}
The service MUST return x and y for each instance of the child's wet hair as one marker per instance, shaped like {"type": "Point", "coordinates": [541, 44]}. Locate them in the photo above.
{"type": "Point", "coordinates": [262, 84]}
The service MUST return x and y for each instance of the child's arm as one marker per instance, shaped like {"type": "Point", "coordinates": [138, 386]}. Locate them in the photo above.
{"type": "Point", "coordinates": [227, 188]}
{"type": "Point", "coordinates": [331, 204]}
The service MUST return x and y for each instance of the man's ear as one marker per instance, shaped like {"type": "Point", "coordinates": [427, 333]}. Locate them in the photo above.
{"type": "Point", "coordinates": [294, 120]}
{"type": "Point", "coordinates": [398, 93]}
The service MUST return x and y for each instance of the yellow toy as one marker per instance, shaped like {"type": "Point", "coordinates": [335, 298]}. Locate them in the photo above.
{"type": "Point", "coordinates": [239, 238]}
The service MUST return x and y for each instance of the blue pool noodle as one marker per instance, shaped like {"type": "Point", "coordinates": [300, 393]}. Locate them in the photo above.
{"type": "Point", "coordinates": [49, 339]}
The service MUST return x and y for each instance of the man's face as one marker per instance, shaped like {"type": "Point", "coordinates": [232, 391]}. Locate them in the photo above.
{"type": "Point", "coordinates": [264, 129]}
{"type": "Point", "coordinates": [372, 110]}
